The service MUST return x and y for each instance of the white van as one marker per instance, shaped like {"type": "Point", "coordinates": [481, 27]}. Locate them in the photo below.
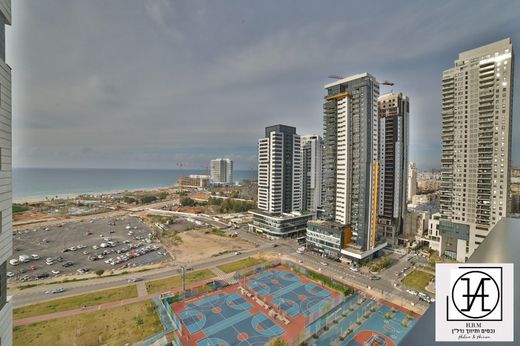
{"type": "Point", "coordinates": [24, 258]}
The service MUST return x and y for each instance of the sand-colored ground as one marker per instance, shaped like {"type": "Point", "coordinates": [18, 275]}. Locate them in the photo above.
{"type": "Point", "coordinates": [197, 246]}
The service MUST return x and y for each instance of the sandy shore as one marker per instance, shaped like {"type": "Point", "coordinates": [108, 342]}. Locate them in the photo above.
{"type": "Point", "coordinates": [36, 199]}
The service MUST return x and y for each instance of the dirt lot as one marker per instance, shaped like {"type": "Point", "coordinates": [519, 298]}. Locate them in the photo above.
{"type": "Point", "coordinates": [52, 242]}
{"type": "Point", "coordinates": [191, 249]}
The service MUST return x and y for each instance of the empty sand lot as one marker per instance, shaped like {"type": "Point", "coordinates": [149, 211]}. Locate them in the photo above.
{"type": "Point", "coordinates": [197, 246]}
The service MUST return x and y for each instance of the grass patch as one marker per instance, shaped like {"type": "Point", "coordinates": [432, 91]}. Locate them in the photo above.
{"type": "Point", "coordinates": [217, 232]}
{"type": "Point", "coordinates": [167, 284]}
{"type": "Point", "coordinates": [19, 208]}
{"type": "Point", "coordinates": [418, 279]}
{"type": "Point", "coordinates": [118, 326]}
{"type": "Point", "coordinates": [329, 283]}
{"type": "Point", "coordinates": [63, 304]}
{"type": "Point", "coordinates": [237, 265]}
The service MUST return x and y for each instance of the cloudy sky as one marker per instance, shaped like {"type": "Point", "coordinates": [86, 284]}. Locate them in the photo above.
{"type": "Point", "coordinates": [148, 84]}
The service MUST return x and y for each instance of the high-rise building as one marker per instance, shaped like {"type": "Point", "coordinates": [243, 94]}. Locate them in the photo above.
{"type": "Point", "coordinates": [394, 109]}
{"type": "Point", "coordinates": [6, 242]}
{"type": "Point", "coordinates": [412, 181]}
{"type": "Point", "coordinates": [221, 171]}
{"type": "Point", "coordinates": [279, 170]}
{"type": "Point", "coordinates": [279, 185]}
{"type": "Point", "coordinates": [477, 108]}
{"type": "Point", "coordinates": [312, 196]}
{"type": "Point", "coordinates": [351, 164]}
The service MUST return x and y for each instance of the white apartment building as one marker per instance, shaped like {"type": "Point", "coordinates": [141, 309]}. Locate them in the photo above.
{"type": "Point", "coordinates": [279, 170]}
{"type": "Point", "coordinates": [6, 242]}
{"type": "Point", "coordinates": [412, 181]}
{"type": "Point", "coordinates": [477, 118]}
{"type": "Point", "coordinates": [221, 171]}
{"type": "Point", "coordinates": [312, 181]}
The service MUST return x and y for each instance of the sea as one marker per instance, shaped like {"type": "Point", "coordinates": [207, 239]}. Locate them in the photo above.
{"type": "Point", "coordinates": [39, 183]}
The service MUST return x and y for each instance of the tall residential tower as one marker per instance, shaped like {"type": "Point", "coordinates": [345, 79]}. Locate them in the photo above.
{"type": "Point", "coordinates": [6, 242]}
{"type": "Point", "coordinates": [312, 196]}
{"type": "Point", "coordinates": [350, 169]}
{"type": "Point", "coordinates": [394, 109]}
{"type": "Point", "coordinates": [477, 108]}
{"type": "Point", "coordinates": [279, 184]}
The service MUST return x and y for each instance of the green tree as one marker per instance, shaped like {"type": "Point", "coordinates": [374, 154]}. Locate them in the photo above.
{"type": "Point", "coordinates": [187, 202]}
{"type": "Point", "coordinates": [100, 272]}
{"type": "Point", "coordinates": [278, 342]}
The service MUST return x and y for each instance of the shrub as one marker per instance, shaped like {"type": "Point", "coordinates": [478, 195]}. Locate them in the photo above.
{"type": "Point", "coordinates": [100, 272]}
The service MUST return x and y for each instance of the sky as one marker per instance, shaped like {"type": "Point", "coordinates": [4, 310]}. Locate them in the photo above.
{"type": "Point", "coordinates": [151, 84]}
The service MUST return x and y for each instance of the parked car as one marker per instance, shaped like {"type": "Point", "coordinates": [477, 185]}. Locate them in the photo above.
{"type": "Point", "coordinates": [10, 274]}
{"type": "Point", "coordinates": [67, 264]}
{"type": "Point", "coordinates": [14, 262]}
{"type": "Point", "coordinates": [42, 276]}
{"type": "Point", "coordinates": [24, 258]}
{"type": "Point", "coordinates": [55, 271]}
{"type": "Point", "coordinates": [35, 256]}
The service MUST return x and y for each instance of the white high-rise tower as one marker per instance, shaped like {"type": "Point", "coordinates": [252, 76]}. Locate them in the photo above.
{"type": "Point", "coordinates": [477, 108]}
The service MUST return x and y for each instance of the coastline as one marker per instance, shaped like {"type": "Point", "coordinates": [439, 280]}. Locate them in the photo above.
{"type": "Point", "coordinates": [66, 196]}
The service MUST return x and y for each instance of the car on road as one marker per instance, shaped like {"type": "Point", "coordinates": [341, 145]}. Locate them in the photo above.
{"type": "Point", "coordinates": [275, 245]}
{"type": "Point", "coordinates": [412, 292]}
{"type": "Point", "coordinates": [134, 280]}
{"type": "Point", "coordinates": [324, 264]}
{"type": "Point", "coordinates": [354, 269]}
{"type": "Point", "coordinates": [58, 290]}
{"type": "Point", "coordinates": [374, 277]}
{"type": "Point", "coordinates": [237, 252]}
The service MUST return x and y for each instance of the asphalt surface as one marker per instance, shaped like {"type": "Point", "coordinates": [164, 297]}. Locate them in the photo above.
{"type": "Point", "coordinates": [51, 242]}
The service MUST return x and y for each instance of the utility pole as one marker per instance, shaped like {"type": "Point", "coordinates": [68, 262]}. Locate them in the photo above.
{"type": "Point", "coordinates": [183, 276]}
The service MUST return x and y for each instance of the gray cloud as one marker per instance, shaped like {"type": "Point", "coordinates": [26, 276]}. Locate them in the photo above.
{"type": "Point", "coordinates": [153, 83]}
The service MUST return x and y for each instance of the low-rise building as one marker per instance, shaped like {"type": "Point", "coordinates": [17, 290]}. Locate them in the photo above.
{"type": "Point", "coordinates": [279, 225]}
{"type": "Point", "coordinates": [326, 237]}
{"type": "Point", "coordinates": [194, 181]}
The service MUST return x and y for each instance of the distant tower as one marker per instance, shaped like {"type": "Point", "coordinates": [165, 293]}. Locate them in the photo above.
{"type": "Point", "coordinates": [477, 109]}
{"type": "Point", "coordinates": [221, 171]}
{"type": "Point", "coordinates": [412, 181]}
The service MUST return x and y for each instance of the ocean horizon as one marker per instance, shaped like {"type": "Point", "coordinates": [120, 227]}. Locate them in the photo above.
{"type": "Point", "coordinates": [32, 183]}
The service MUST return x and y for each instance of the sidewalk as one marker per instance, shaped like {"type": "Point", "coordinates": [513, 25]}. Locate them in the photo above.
{"type": "Point", "coordinates": [104, 306]}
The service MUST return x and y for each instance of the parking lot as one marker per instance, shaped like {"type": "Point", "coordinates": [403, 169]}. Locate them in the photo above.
{"type": "Point", "coordinates": [83, 247]}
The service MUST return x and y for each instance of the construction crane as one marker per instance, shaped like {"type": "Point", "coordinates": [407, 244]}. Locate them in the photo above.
{"type": "Point", "coordinates": [385, 82]}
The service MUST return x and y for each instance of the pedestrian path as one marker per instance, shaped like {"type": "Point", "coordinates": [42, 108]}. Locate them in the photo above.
{"type": "Point", "coordinates": [141, 289]}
